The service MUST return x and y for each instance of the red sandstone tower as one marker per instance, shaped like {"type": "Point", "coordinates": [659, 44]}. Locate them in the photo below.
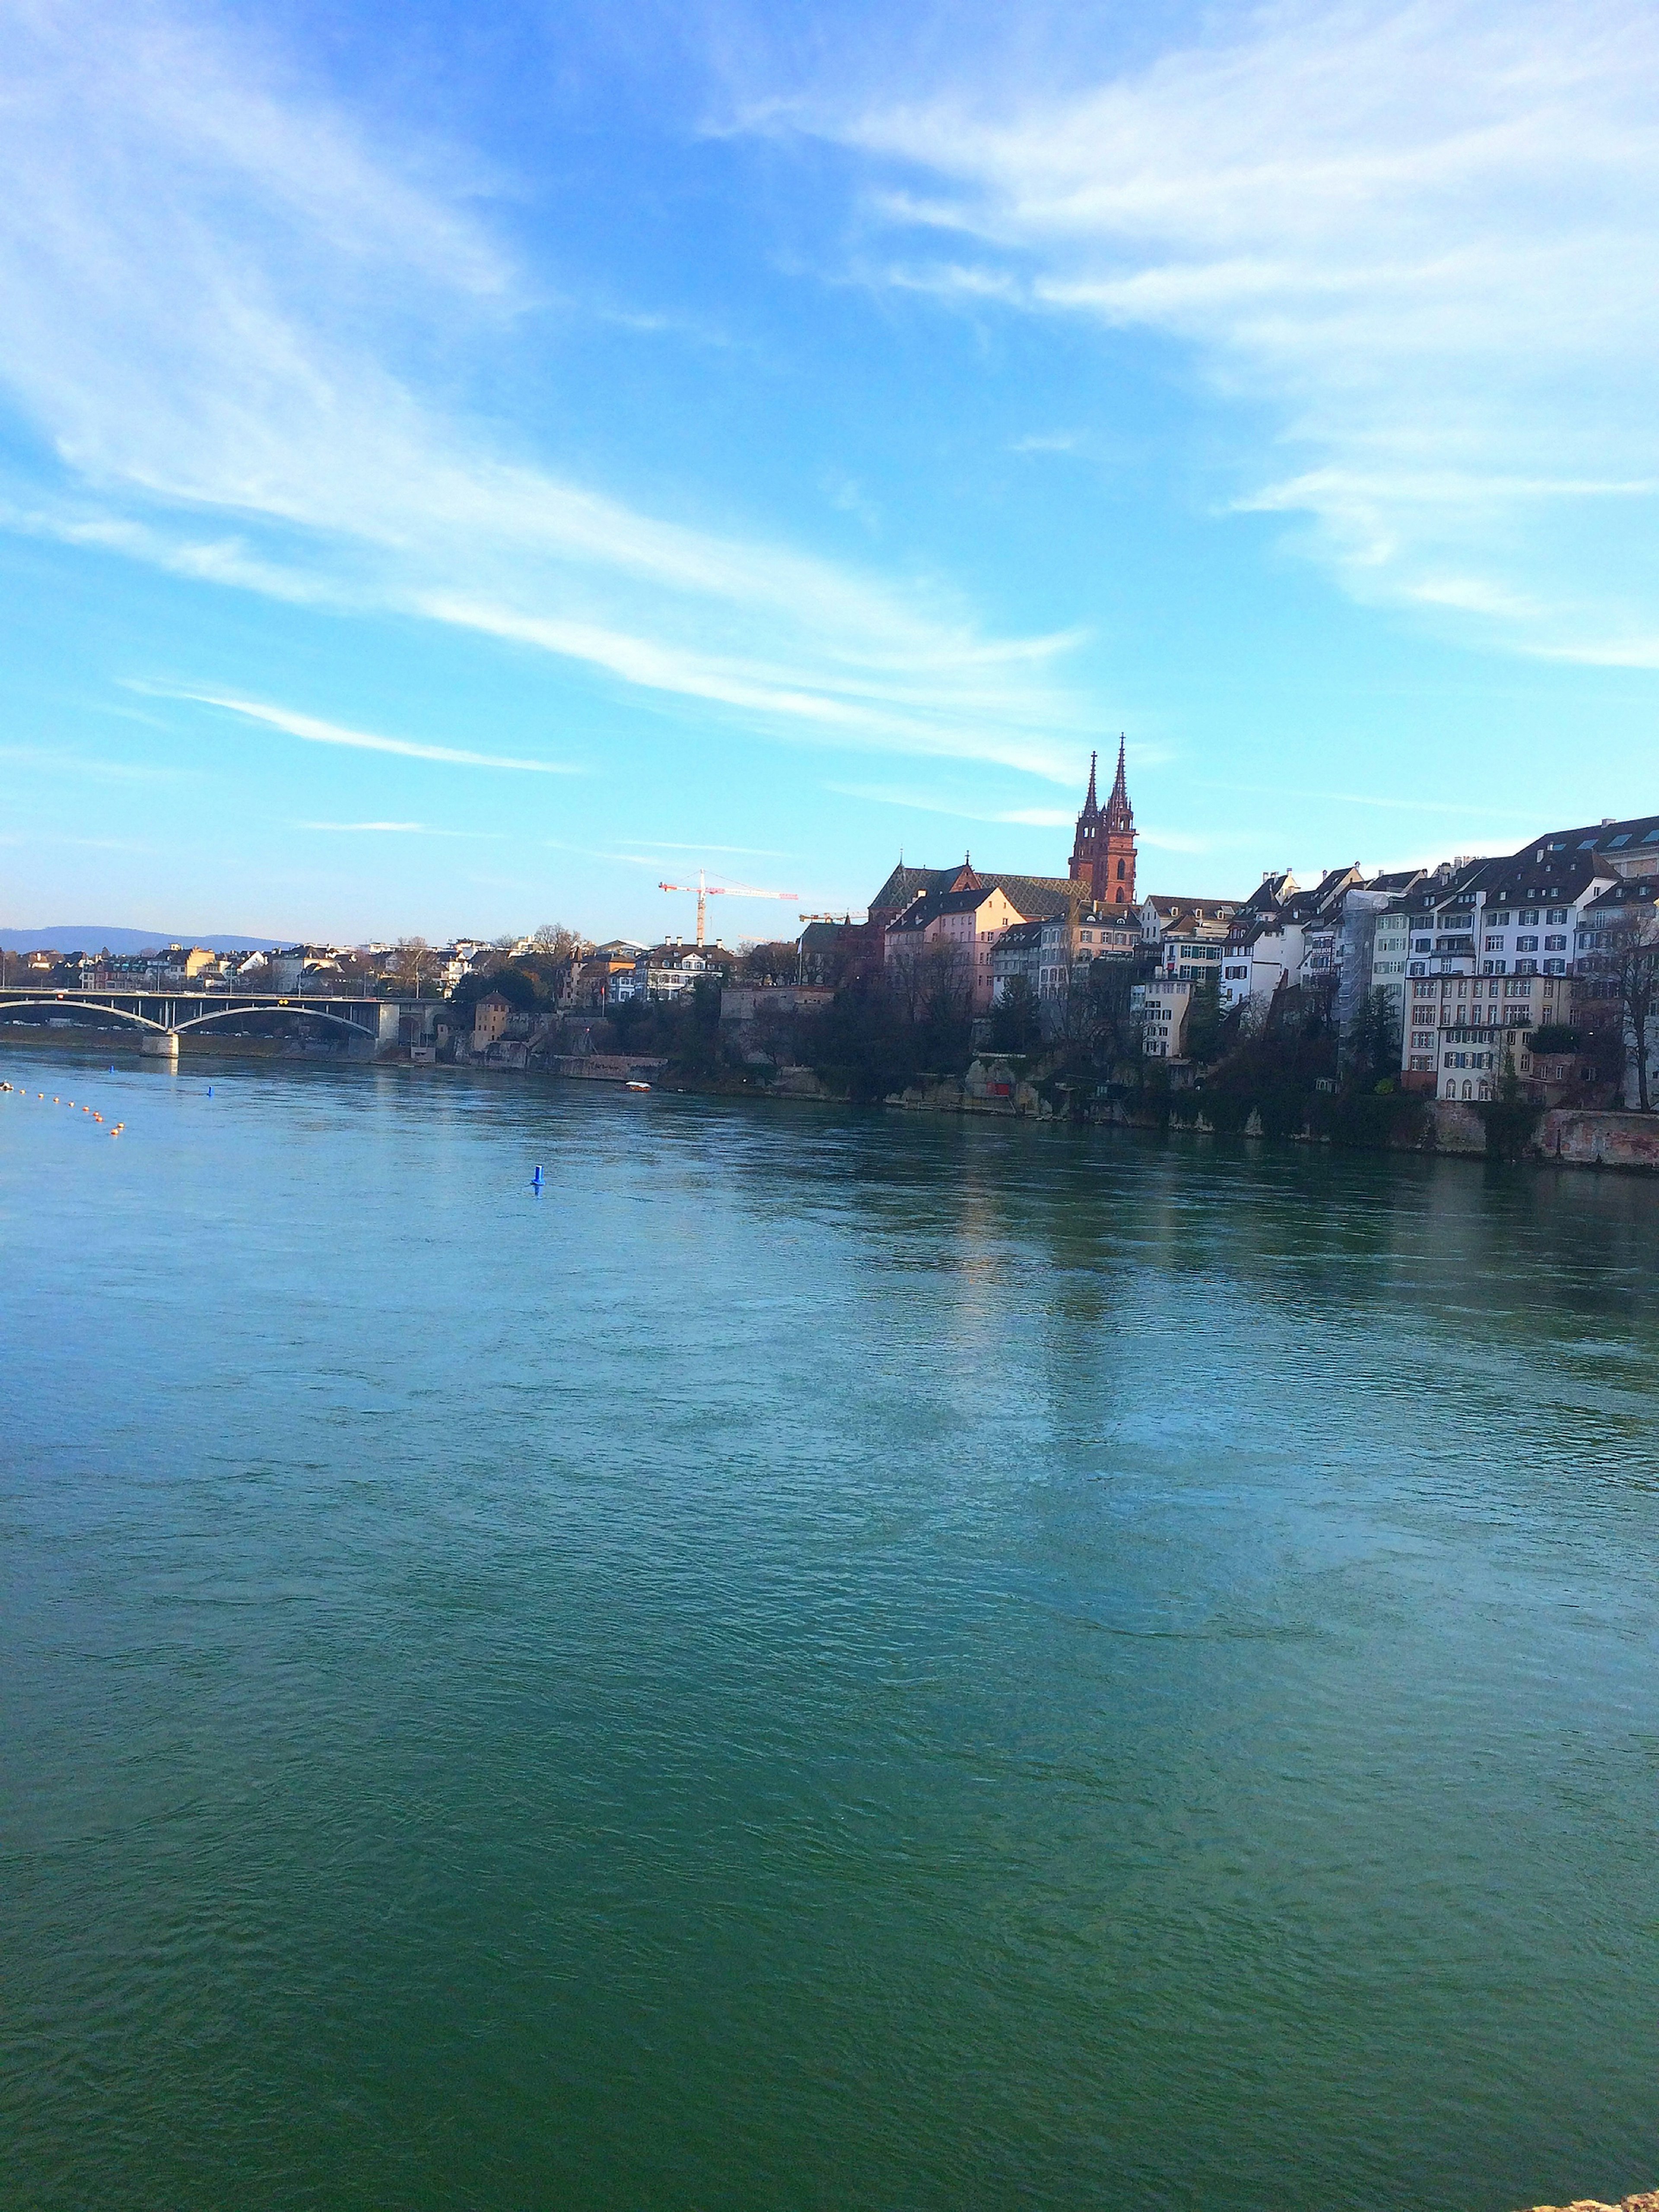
{"type": "Point", "coordinates": [1103, 850]}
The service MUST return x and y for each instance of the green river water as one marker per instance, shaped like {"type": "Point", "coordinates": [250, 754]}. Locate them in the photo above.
{"type": "Point", "coordinates": [828, 1660]}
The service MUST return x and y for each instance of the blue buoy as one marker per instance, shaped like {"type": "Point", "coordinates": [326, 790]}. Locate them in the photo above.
{"type": "Point", "coordinates": [536, 1181]}
{"type": "Point", "coordinates": [210, 1090]}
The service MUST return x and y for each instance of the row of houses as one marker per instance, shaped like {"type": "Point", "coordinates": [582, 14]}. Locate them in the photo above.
{"type": "Point", "coordinates": [1471, 955]}
{"type": "Point", "coordinates": [409, 969]}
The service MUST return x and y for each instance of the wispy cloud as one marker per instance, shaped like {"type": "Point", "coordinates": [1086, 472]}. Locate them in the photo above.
{"type": "Point", "coordinates": [1415, 235]}
{"type": "Point", "coordinates": [393, 828]}
{"type": "Point", "coordinates": [748, 851]}
{"type": "Point", "coordinates": [316, 732]}
{"type": "Point", "coordinates": [51, 763]}
{"type": "Point", "coordinates": [214, 301]}
{"type": "Point", "coordinates": [929, 802]}
{"type": "Point", "coordinates": [932, 801]}
{"type": "Point", "coordinates": [1461, 810]}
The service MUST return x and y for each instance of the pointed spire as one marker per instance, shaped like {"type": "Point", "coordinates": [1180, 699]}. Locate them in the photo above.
{"type": "Point", "coordinates": [1091, 801]}
{"type": "Point", "coordinates": [1119, 812]}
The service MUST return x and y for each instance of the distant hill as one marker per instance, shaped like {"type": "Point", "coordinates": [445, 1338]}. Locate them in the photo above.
{"type": "Point", "coordinates": [96, 937]}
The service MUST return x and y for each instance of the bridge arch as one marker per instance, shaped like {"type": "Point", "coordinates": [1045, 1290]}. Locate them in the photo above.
{"type": "Point", "coordinates": [298, 1006]}
{"type": "Point", "coordinates": [89, 1006]}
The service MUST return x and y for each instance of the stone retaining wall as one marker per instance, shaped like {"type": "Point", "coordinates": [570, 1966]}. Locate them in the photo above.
{"type": "Point", "coordinates": [1574, 1136]}
{"type": "Point", "coordinates": [1598, 1141]}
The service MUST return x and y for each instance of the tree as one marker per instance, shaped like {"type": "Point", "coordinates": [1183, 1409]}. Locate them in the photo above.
{"type": "Point", "coordinates": [1090, 1022]}
{"type": "Point", "coordinates": [925, 978]}
{"type": "Point", "coordinates": [1015, 1017]}
{"type": "Point", "coordinates": [776, 960]}
{"type": "Point", "coordinates": [1374, 1042]}
{"type": "Point", "coordinates": [516, 984]}
{"type": "Point", "coordinates": [409, 964]}
{"type": "Point", "coordinates": [1618, 981]}
{"type": "Point", "coordinates": [1207, 1019]}
{"type": "Point", "coordinates": [1636, 968]}
{"type": "Point", "coordinates": [553, 940]}
{"type": "Point", "coordinates": [947, 990]}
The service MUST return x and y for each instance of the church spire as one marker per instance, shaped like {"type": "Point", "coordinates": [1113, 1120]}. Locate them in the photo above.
{"type": "Point", "coordinates": [1091, 804]}
{"type": "Point", "coordinates": [1119, 815]}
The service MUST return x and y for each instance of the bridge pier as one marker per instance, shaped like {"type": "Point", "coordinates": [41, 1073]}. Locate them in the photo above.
{"type": "Point", "coordinates": [159, 1044]}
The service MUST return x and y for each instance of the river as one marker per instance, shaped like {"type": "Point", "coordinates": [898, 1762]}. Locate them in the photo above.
{"type": "Point", "coordinates": [826, 1660]}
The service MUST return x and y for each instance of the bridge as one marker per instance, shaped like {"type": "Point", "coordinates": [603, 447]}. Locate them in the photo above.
{"type": "Point", "coordinates": [162, 1017]}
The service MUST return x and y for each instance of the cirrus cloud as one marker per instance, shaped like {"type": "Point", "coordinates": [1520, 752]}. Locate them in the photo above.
{"type": "Point", "coordinates": [1416, 241]}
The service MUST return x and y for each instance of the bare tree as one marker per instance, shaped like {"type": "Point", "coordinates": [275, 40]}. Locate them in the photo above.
{"type": "Point", "coordinates": [410, 961]}
{"type": "Point", "coordinates": [1616, 987]}
{"type": "Point", "coordinates": [1091, 1018]}
{"type": "Point", "coordinates": [947, 982]}
{"type": "Point", "coordinates": [905, 979]}
{"type": "Point", "coordinates": [928, 983]}
{"type": "Point", "coordinates": [558, 941]}
{"type": "Point", "coordinates": [1634, 969]}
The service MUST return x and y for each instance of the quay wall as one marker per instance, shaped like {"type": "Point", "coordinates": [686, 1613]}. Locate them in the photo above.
{"type": "Point", "coordinates": [1571, 1137]}
{"type": "Point", "coordinates": [1564, 1136]}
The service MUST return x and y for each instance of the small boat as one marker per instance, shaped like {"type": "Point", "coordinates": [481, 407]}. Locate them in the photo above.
{"type": "Point", "coordinates": [638, 1086]}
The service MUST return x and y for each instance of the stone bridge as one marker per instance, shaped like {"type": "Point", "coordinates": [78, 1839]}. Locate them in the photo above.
{"type": "Point", "coordinates": [162, 1017]}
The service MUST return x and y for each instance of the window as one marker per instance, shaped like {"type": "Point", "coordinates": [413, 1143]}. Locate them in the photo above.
{"type": "Point", "coordinates": [1614, 843]}
{"type": "Point", "coordinates": [1494, 944]}
{"type": "Point", "coordinates": [1526, 967]}
{"type": "Point", "coordinates": [1498, 920]}
{"type": "Point", "coordinates": [1557, 913]}
{"type": "Point", "coordinates": [1421, 945]}
{"type": "Point", "coordinates": [1422, 1039]}
{"type": "Point", "coordinates": [1529, 919]}
{"type": "Point", "coordinates": [1421, 1067]}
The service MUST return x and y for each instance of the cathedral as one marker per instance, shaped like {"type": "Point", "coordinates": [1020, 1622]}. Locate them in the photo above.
{"type": "Point", "coordinates": [1103, 850]}
{"type": "Point", "coordinates": [1100, 875]}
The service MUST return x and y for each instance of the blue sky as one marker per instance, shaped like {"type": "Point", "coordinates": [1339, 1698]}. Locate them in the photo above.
{"type": "Point", "coordinates": [459, 467]}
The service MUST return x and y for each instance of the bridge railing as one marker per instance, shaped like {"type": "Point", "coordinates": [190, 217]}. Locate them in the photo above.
{"type": "Point", "coordinates": [13, 984]}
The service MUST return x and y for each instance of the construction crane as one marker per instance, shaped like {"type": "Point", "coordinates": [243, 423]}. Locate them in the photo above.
{"type": "Point", "coordinates": [706, 890]}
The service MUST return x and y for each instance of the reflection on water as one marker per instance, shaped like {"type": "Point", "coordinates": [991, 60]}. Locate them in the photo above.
{"type": "Point", "coordinates": [826, 1660]}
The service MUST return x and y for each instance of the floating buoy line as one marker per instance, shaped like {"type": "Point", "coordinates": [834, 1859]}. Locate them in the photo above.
{"type": "Point", "coordinates": [21, 1090]}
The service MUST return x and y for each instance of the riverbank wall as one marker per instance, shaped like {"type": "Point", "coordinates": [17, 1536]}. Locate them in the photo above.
{"type": "Point", "coordinates": [1561, 1136]}
{"type": "Point", "coordinates": [1571, 1137]}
